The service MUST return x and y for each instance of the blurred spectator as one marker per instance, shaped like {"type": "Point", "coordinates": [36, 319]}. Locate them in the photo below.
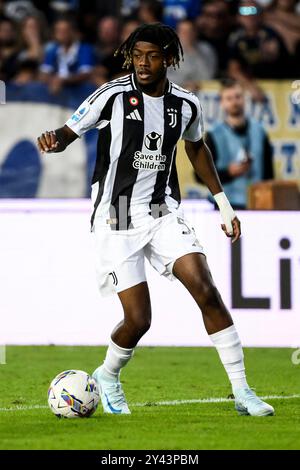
{"type": "Point", "coordinates": [9, 49]}
{"type": "Point", "coordinates": [283, 17]}
{"type": "Point", "coordinates": [257, 51]}
{"type": "Point", "coordinates": [128, 28]}
{"type": "Point", "coordinates": [107, 65]}
{"type": "Point", "coordinates": [240, 147]}
{"type": "Point", "coordinates": [108, 36]}
{"type": "Point", "coordinates": [178, 10]}
{"type": "Point", "coordinates": [91, 11]}
{"type": "Point", "coordinates": [67, 60]}
{"type": "Point", "coordinates": [214, 26]}
{"type": "Point", "coordinates": [149, 11]}
{"type": "Point", "coordinates": [200, 61]}
{"type": "Point", "coordinates": [27, 72]}
{"type": "Point", "coordinates": [33, 36]}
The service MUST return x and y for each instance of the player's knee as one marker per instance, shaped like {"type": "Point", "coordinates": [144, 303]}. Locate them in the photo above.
{"type": "Point", "coordinates": [139, 323]}
{"type": "Point", "coordinates": [145, 326]}
{"type": "Point", "coordinates": [141, 326]}
{"type": "Point", "coordinates": [208, 296]}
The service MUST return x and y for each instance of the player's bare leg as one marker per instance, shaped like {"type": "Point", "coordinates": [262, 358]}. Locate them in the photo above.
{"type": "Point", "coordinates": [137, 316]}
{"type": "Point", "coordinates": [193, 271]}
{"type": "Point", "coordinates": [125, 336]}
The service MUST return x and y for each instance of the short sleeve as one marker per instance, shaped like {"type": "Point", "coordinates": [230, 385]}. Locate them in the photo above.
{"type": "Point", "coordinates": [88, 115]}
{"type": "Point", "coordinates": [49, 64]}
{"type": "Point", "coordinates": [195, 128]}
{"type": "Point", "coordinates": [85, 58]}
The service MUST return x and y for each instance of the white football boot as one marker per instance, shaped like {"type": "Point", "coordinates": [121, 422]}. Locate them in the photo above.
{"type": "Point", "coordinates": [111, 394]}
{"type": "Point", "coordinates": [248, 403]}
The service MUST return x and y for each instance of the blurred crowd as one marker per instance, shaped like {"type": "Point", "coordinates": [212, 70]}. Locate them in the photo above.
{"type": "Point", "coordinates": [68, 42]}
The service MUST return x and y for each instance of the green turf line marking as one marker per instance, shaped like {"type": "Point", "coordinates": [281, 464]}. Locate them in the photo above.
{"type": "Point", "coordinates": [208, 400]}
{"type": "Point", "coordinates": [162, 403]}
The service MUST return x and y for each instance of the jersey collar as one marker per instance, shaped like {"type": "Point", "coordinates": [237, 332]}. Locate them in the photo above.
{"type": "Point", "coordinates": [137, 87]}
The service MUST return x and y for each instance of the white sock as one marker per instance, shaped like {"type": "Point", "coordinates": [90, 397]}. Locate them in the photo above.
{"type": "Point", "coordinates": [116, 358]}
{"type": "Point", "coordinates": [229, 347]}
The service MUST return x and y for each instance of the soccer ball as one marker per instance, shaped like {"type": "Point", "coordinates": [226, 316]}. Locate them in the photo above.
{"type": "Point", "coordinates": [73, 394]}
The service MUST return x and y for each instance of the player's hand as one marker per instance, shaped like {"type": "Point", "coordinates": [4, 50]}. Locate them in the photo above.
{"type": "Point", "coordinates": [47, 142]}
{"type": "Point", "coordinates": [231, 225]}
{"type": "Point", "coordinates": [236, 230]}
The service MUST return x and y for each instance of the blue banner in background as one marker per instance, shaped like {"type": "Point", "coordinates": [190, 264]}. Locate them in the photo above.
{"type": "Point", "coordinates": [37, 92]}
{"type": "Point", "coordinates": [24, 172]}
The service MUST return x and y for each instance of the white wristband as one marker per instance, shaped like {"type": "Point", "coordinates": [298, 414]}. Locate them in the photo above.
{"type": "Point", "coordinates": [227, 213]}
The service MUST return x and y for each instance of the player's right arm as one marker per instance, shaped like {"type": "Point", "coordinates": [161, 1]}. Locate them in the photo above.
{"type": "Point", "coordinates": [56, 141]}
{"type": "Point", "coordinates": [86, 117]}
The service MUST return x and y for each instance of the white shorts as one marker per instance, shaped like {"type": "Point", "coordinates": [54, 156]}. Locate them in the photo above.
{"type": "Point", "coordinates": [120, 255]}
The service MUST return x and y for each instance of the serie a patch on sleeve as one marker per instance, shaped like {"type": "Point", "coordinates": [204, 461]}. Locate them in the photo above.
{"type": "Point", "coordinates": [81, 112]}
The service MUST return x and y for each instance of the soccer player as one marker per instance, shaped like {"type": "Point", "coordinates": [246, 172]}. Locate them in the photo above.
{"type": "Point", "coordinates": [137, 211]}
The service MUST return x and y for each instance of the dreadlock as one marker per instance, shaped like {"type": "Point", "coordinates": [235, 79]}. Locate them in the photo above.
{"type": "Point", "coordinates": [156, 33]}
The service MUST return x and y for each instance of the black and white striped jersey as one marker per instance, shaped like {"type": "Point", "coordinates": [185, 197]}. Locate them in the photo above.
{"type": "Point", "coordinates": [135, 176]}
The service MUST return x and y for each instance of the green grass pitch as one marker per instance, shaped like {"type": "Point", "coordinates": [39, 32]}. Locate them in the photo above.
{"type": "Point", "coordinates": [154, 375]}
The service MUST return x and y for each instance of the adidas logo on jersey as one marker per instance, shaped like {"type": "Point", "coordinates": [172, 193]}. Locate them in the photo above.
{"type": "Point", "coordinates": [135, 115]}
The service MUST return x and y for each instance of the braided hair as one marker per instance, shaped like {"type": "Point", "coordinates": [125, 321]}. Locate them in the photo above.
{"type": "Point", "coordinates": [156, 33]}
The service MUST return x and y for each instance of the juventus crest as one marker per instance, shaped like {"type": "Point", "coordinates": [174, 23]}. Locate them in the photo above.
{"type": "Point", "coordinates": [172, 113]}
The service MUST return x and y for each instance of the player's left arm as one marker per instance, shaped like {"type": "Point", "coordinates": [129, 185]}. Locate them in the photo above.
{"type": "Point", "coordinates": [202, 161]}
